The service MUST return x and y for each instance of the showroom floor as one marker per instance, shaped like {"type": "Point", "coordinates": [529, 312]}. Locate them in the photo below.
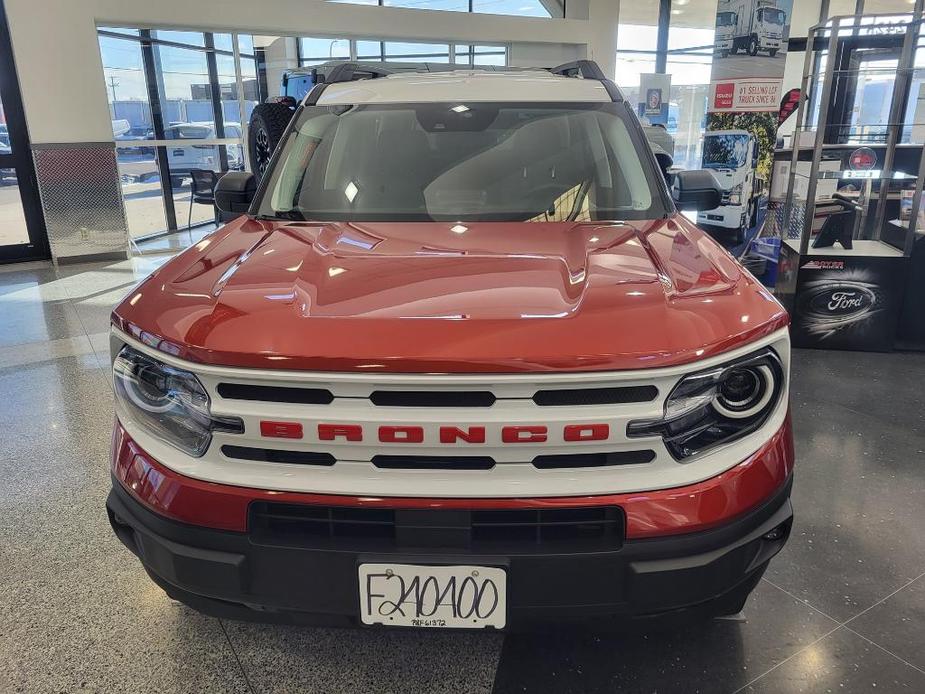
{"type": "Point", "coordinates": [842, 609]}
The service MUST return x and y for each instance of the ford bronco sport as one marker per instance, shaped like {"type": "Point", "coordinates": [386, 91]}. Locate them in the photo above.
{"type": "Point", "coordinates": [459, 362]}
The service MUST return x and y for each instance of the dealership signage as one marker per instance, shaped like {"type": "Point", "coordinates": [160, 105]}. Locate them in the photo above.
{"type": "Point", "coordinates": [749, 55]}
{"type": "Point", "coordinates": [654, 91]}
{"type": "Point", "coordinates": [842, 302]}
{"type": "Point", "coordinates": [746, 95]}
{"type": "Point", "coordinates": [743, 111]}
{"type": "Point", "coordinates": [862, 159]}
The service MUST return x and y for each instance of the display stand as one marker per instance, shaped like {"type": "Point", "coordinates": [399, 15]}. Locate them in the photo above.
{"type": "Point", "coordinates": [846, 248]}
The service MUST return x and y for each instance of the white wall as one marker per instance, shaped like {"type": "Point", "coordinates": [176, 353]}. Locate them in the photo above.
{"type": "Point", "coordinates": [61, 75]}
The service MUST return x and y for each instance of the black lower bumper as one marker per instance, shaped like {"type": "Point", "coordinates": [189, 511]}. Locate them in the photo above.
{"type": "Point", "coordinates": [229, 575]}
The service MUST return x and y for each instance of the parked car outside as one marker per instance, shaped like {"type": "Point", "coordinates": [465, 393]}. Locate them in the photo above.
{"type": "Point", "coordinates": [182, 159]}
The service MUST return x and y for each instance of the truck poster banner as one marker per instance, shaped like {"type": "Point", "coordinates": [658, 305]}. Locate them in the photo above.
{"type": "Point", "coordinates": [742, 119]}
{"type": "Point", "coordinates": [749, 55]}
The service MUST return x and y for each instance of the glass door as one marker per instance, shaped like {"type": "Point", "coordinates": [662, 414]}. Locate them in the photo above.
{"type": "Point", "coordinates": [22, 226]}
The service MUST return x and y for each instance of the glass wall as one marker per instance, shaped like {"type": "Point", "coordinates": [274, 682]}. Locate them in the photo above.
{"type": "Point", "coordinates": [690, 61]}
{"type": "Point", "coordinates": [637, 37]}
{"type": "Point", "coordinates": [316, 50]}
{"type": "Point", "coordinates": [686, 54]}
{"type": "Point", "coordinates": [518, 8]}
{"type": "Point", "coordinates": [163, 87]}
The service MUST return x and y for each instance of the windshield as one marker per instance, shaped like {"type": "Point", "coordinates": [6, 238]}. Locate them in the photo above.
{"type": "Point", "coordinates": [773, 16]}
{"type": "Point", "coordinates": [725, 151]}
{"type": "Point", "coordinates": [475, 162]}
{"type": "Point", "coordinates": [725, 19]}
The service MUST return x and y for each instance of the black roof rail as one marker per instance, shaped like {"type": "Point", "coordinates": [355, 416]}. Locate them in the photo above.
{"type": "Point", "coordinates": [587, 69]}
{"type": "Point", "coordinates": [347, 72]}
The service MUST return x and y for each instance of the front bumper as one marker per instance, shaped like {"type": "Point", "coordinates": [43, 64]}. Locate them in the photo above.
{"type": "Point", "coordinates": [246, 574]}
{"type": "Point", "coordinates": [727, 216]}
{"type": "Point", "coordinates": [229, 575]}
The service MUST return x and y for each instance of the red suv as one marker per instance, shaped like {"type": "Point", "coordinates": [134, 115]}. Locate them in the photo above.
{"type": "Point", "coordinates": [460, 362]}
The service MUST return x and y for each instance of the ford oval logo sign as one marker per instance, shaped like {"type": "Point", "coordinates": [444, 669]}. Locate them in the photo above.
{"type": "Point", "coordinates": [842, 300]}
{"type": "Point", "coordinates": [830, 307]}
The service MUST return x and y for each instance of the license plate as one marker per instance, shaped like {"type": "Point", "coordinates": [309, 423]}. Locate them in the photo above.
{"type": "Point", "coordinates": [410, 595]}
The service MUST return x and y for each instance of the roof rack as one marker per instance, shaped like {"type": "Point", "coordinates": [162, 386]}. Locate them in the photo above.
{"type": "Point", "coordinates": [347, 72]}
{"type": "Point", "coordinates": [350, 71]}
{"type": "Point", "coordinates": [586, 69]}
{"type": "Point", "coordinates": [589, 70]}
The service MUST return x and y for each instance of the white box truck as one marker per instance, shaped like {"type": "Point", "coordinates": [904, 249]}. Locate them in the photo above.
{"type": "Point", "coordinates": [759, 26]}
{"type": "Point", "coordinates": [732, 157]}
{"type": "Point", "coordinates": [726, 21]}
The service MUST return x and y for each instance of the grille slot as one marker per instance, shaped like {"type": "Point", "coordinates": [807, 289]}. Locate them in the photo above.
{"type": "Point", "coordinates": [432, 398]}
{"type": "Point", "coordinates": [568, 460]}
{"type": "Point", "coordinates": [302, 396]}
{"type": "Point", "coordinates": [595, 396]}
{"type": "Point", "coordinates": [442, 462]}
{"type": "Point", "coordinates": [302, 525]}
{"type": "Point", "coordinates": [272, 455]}
{"type": "Point", "coordinates": [503, 530]}
{"type": "Point", "coordinates": [601, 526]}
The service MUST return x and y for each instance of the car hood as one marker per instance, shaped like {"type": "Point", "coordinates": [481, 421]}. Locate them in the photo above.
{"type": "Point", "coordinates": [444, 297]}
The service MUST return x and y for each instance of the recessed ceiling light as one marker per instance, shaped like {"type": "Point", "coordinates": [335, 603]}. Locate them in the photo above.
{"type": "Point", "coordinates": [335, 271]}
{"type": "Point", "coordinates": [459, 229]}
{"type": "Point", "coordinates": [462, 108]}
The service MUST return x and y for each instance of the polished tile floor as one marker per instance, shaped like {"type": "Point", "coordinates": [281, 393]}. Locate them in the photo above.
{"type": "Point", "coordinates": [842, 609]}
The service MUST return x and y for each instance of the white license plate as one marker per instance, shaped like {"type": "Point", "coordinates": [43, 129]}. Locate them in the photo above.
{"type": "Point", "coordinates": [410, 595]}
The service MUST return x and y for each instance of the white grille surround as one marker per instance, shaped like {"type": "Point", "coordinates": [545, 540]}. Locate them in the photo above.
{"type": "Point", "coordinates": [513, 474]}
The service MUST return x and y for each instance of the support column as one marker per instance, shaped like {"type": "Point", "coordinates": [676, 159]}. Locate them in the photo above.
{"type": "Point", "coordinates": [603, 16]}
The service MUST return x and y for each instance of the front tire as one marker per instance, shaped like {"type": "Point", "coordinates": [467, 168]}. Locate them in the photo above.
{"type": "Point", "coordinates": [267, 125]}
{"type": "Point", "coordinates": [772, 52]}
{"type": "Point", "coordinates": [753, 46]}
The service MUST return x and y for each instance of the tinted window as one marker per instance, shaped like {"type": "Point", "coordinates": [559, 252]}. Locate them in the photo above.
{"type": "Point", "coordinates": [483, 161]}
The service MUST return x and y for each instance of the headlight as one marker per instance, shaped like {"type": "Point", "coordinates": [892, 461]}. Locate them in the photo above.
{"type": "Point", "coordinates": [170, 403]}
{"type": "Point", "coordinates": [717, 406]}
{"type": "Point", "coordinates": [735, 195]}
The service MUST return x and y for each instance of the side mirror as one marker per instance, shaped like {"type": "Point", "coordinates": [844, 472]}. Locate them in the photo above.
{"type": "Point", "coordinates": [696, 190]}
{"type": "Point", "coordinates": [235, 191]}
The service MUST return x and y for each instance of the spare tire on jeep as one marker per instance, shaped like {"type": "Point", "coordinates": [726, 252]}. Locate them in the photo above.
{"type": "Point", "coordinates": [267, 124]}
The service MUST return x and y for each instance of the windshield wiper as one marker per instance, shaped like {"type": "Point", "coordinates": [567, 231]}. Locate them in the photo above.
{"type": "Point", "coordinates": [288, 215]}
